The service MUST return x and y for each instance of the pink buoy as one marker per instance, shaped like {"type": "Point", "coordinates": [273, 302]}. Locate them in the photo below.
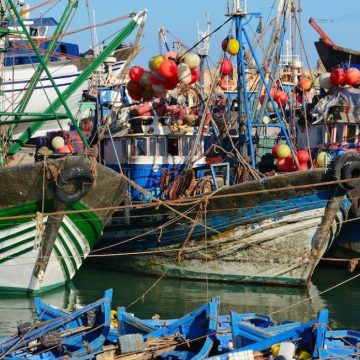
{"type": "Point", "coordinates": [135, 73]}
{"type": "Point", "coordinates": [303, 166]}
{"type": "Point", "coordinates": [171, 55]}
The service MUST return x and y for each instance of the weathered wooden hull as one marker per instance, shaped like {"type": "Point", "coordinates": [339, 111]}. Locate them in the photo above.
{"type": "Point", "coordinates": [22, 194]}
{"type": "Point", "coordinates": [335, 56]}
{"type": "Point", "coordinates": [265, 231]}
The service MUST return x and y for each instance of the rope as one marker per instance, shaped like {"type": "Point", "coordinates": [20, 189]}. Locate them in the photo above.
{"type": "Point", "coordinates": [315, 296]}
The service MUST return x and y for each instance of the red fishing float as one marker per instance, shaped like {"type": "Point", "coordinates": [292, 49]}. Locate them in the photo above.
{"type": "Point", "coordinates": [195, 75]}
{"type": "Point", "coordinates": [303, 156]}
{"type": "Point", "coordinates": [168, 69]}
{"type": "Point", "coordinates": [352, 76]}
{"type": "Point", "coordinates": [135, 73]}
{"type": "Point", "coordinates": [337, 77]}
{"type": "Point", "coordinates": [281, 98]}
{"type": "Point", "coordinates": [275, 150]}
{"type": "Point", "coordinates": [226, 67]}
{"type": "Point", "coordinates": [135, 90]}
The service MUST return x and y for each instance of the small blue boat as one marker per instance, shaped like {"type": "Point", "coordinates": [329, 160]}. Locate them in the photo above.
{"type": "Point", "coordinates": [190, 337]}
{"type": "Point", "coordinates": [79, 334]}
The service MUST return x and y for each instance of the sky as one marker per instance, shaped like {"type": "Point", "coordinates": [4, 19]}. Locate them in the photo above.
{"type": "Point", "coordinates": [182, 17]}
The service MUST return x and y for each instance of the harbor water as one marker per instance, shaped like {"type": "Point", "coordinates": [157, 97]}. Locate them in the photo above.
{"type": "Point", "coordinates": [169, 298]}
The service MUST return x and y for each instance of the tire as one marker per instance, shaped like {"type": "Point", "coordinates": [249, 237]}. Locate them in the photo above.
{"type": "Point", "coordinates": [83, 180]}
{"type": "Point", "coordinates": [346, 167]}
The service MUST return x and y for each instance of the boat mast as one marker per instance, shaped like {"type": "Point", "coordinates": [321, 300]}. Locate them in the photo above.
{"type": "Point", "coordinates": [43, 64]}
{"type": "Point", "coordinates": [242, 18]}
{"type": "Point", "coordinates": [70, 8]}
{"type": "Point", "coordinates": [136, 20]}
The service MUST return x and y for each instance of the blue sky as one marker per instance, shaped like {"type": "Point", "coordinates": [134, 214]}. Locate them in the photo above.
{"type": "Point", "coordinates": [181, 19]}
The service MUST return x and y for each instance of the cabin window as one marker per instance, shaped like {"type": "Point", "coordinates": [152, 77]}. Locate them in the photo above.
{"type": "Point", "coordinates": [162, 146]}
{"type": "Point", "coordinates": [152, 146]}
{"type": "Point", "coordinates": [339, 133]}
{"type": "Point", "coordinates": [42, 31]}
{"type": "Point", "coordinates": [351, 134]}
{"type": "Point", "coordinates": [173, 147]}
{"type": "Point", "coordinates": [185, 146]}
{"type": "Point", "coordinates": [63, 49]}
{"type": "Point", "coordinates": [141, 146]}
{"type": "Point", "coordinates": [33, 31]}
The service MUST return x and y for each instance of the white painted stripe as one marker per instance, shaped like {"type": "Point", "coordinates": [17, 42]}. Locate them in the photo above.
{"type": "Point", "coordinates": [71, 246]}
{"type": "Point", "coordinates": [15, 229]}
{"type": "Point", "coordinates": [65, 257]}
{"type": "Point", "coordinates": [79, 235]}
{"type": "Point", "coordinates": [16, 239]}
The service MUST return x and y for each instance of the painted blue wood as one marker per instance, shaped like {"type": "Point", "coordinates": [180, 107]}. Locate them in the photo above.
{"type": "Point", "coordinates": [320, 330]}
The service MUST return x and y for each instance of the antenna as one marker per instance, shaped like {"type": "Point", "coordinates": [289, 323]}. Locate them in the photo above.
{"type": "Point", "coordinates": [240, 6]}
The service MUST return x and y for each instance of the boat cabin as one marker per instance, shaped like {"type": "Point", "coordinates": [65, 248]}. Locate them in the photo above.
{"type": "Point", "coordinates": [151, 148]}
{"type": "Point", "coordinates": [19, 50]}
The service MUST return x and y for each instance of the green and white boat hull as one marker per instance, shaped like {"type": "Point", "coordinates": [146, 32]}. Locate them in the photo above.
{"type": "Point", "coordinates": [22, 232]}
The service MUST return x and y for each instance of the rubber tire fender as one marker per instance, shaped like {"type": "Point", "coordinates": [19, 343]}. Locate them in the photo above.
{"type": "Point", "coordinates": [341, 170]}
{"type": "Point", "coordinates": [351, 170]}
{"type": "Point", "coordinates": [78, 173]}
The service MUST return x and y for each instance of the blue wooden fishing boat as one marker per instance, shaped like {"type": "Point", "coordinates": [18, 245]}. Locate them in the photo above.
{"type": "Point", "coordinates": [79, 334]}
{"type": "Point", "coordinates": [209, 223]}
{"type": "Point", "coordinates": [190, 337]}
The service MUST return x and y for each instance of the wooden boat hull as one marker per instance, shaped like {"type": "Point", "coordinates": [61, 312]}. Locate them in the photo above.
{"type": "Point", "coordinates": [22, 197]}
{"type": "Point", "coordinates": [334, 56]}
{"type": "Point", "coordinates": [265, 231]}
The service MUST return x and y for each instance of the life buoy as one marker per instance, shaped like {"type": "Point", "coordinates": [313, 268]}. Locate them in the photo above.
{"type": "Point", "coordinates": [82, 180]}
{"type": "Point", "coordinates": [346, 167]}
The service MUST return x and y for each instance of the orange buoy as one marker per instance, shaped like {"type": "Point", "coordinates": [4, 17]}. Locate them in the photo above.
{"type": "Point", "coordinates": [226, 67]}
{"type": "Point", "coordinates": [352, 76]}
{"type": "Point", "coordinates": [304, 83]}
{"type": "Point", "coordinates": [168, 69]}
{"type": "Point", "coordinates": [337, 77]}
{"type": "Point", "coordinates": [281, 98]}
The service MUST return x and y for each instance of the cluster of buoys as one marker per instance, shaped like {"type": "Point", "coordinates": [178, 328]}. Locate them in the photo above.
{"type": "Point", "coordinates": [231, 46]}
{"type": "Point", "coordinates": [340, 77]}
{"type": "Point", "coordinates": [165, 73]}
{"type": "Point", "coordinates": [285, 161]}
{"type": "Point", "coordinates": [58, 143]}
{"type": "Point", "coordinates": [280, 97]}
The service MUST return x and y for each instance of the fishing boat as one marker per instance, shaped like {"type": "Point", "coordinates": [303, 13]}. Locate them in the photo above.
{"type": "Point", "coordinates": [185, 224]}
{"type": "Point", "coordinates": [65, 63]}
{"type": "Point", "coordinates": [332, 55]}
{"type": "Point", "coordinates": [60, 337]}
{"type": "Point", "coordinates": [52, 211]}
